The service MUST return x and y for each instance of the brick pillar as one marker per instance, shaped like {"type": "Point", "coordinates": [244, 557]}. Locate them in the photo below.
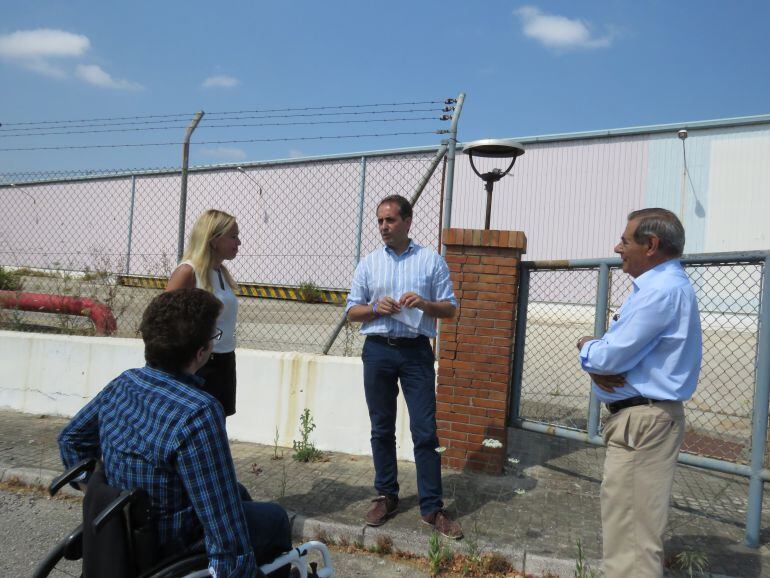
{"type": "Point", "coordinates": [474, 370]}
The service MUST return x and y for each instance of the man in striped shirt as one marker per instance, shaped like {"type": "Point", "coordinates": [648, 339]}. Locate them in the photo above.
{"type": "Point", "coordinates": [398, 292]}
{"type": "Point", "coordinates": [154, 429]}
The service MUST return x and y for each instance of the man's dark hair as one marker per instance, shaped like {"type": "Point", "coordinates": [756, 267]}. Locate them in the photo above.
{"type": "Point", "coordinates": [662, 223]}
{"type": "Point", "coordinates": [404, 206]}
{"type": "Point", "coordinates": [176, 324]}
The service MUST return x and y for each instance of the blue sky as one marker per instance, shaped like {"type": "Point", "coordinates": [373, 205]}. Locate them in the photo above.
{"type": "Point", "coordinates": [527, 68]}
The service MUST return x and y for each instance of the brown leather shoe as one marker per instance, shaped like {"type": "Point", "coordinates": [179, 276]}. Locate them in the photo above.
{"type": "Point", "coordinates": [384, 507]}
{"type": "Point", "coordinates": [444, 524]}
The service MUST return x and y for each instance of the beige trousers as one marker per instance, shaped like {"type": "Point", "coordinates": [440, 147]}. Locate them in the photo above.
{"type": "Point", "coordinates": [642, 447]}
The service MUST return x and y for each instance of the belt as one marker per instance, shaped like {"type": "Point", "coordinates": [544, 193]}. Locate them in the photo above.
{"type": "Point", "coordinates": [616, 406]}
{"type": "Point", "coordinates": [398, 341]}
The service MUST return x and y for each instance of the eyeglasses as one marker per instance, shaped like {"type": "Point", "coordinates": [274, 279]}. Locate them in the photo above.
{"type": "Point", "coordinates": [217, 336]}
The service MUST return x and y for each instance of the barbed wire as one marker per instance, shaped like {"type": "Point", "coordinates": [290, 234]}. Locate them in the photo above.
{"type": "Point", "coordinates": [240, 125]}
{"type": "Point", "coordinates": [205, 121]}
{"type": "Point", "coordinates": [255, 111]}
{"type": "Point", "coordinates": [234, 141]}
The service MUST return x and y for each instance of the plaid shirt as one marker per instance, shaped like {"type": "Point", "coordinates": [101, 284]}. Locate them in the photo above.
{"type": "Point", "coordinates": [157, 431]}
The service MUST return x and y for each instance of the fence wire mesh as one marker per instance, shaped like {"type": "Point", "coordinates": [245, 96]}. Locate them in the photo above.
{"type": "Point", "coordinates": [562, 308]}
{"type": "Point", "coordinates": [92, 236]}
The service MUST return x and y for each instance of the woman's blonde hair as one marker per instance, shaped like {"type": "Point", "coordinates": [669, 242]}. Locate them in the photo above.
{"type": "Point", "coordinates": [209, 226]}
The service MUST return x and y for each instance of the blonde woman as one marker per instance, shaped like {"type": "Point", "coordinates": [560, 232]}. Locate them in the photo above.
{"type": "Point", "coordinates": [214, 239]}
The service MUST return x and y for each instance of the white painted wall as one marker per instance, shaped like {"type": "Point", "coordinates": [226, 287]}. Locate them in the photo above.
{"type": "Point", "coordinates": [59, 374]}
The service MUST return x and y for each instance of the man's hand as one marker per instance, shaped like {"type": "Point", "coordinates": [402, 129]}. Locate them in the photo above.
{"type": "Point", "coordinates": [608, 383]}
{"type": "Point", "coordinates": [583, 340]}
{"type": "Point", "coordinates": [411, 299]}
{"type": "Point", "coordinates": [388, 306]}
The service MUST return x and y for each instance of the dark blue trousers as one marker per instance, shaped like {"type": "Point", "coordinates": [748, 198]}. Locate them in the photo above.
{"type": "Point", "coordinates": [269, 530]}
{"type": "Point", "coordinates": [384, 367]}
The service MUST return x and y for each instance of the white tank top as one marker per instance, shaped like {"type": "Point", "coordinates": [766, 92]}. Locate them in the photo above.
{"type": "Point", "coordinates": [229, 313]}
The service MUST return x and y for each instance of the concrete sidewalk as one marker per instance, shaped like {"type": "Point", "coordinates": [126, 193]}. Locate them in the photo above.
{"type": "Point", "coordinates": [534, 514]}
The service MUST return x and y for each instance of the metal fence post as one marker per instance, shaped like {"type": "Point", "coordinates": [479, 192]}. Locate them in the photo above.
{"type": "Point", "coordinates": [360, 223]}
{"type": "Point", "coordinates": [600, 326]}
{"type": "Point", "coordinates": [183, 193]}
{"type": "Point", "coordinates": [759, 424]}
{"type": "Point", "coordinates": [130, 224]}
{"type": "Point", "coordinates": [450, 166]}
{"type": "Point", "coordinates": [518, 346]}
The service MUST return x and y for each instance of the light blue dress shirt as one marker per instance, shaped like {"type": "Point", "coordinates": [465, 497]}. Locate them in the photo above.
{"type": "Point", "coordinates": [655, 341]}
{"type": "Point", "coordinates": [382, 273]}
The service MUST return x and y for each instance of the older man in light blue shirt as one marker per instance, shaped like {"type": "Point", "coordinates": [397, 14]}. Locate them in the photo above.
{"type": "Point", "coordinates": [643, 368]}
{"type": "Point", "coordinates": [398, 292]}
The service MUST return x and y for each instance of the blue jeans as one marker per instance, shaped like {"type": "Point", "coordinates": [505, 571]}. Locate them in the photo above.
{"type": "Point", "coordinates": [269, 531]}
{"type": "Point", "coordinates": [384, 367]}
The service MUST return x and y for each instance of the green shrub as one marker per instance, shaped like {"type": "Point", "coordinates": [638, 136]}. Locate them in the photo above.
{"type": "Point", "coordinates": [10, 280]}
{"type": "Point", "coordinates": [309, 292]}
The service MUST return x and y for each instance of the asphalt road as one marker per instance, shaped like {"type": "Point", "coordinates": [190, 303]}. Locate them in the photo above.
{"type": "Point", "coordinates": [31, 523]}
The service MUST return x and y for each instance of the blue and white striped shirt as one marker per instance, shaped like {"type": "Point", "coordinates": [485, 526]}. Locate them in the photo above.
{"type": "Point", "coordinates": [159, 432]}
{"type": "Point", "coordinates": [655, 342]}
{"type": "Point", "coordinates": [382, 273]}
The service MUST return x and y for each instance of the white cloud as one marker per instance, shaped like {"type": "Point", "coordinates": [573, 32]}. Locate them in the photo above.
{"type": "Point", "coordinates": [225, 153]}
{"type": "Point", "coordinates": [556, 31]}
{"type": "Point", "coordinates": [42, 43]}
{"type": "Point", "coordinates": [39, 49]}
{"type": "Point", "coordinates": [94, 74]}
{"type": "Point", "coordinates": [35, 49]}
{"type": "Point", "coordinates": [220, 81]}
{"type": "Point", "coordinates": [296, 154]}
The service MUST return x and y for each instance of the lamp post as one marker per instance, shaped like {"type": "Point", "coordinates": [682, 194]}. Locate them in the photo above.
{"type": "Point", "coordinates": [496, 149]}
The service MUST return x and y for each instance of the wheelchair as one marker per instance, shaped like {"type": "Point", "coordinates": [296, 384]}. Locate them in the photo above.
{"type": "Point", "coordinates": [126, 524]}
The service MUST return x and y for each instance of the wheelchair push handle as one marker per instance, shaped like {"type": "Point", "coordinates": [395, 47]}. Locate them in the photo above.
{"type": "Point", "coordinates": [85, 466]}
{"type": "Point", "coordinates": [118, 505]}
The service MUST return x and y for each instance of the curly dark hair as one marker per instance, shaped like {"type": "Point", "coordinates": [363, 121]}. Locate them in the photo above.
{"type": "Point", "coordinates": [176, 325]}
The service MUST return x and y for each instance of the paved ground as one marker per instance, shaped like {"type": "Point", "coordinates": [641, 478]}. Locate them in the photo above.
{"type": "Point", "coordinates": [534, 514]}
{"type": "Point", "coordinates": [31, 523]}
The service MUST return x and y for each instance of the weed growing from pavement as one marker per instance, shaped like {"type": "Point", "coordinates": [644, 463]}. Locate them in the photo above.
{"type": "Point", "coordinates": [582, 568]}
{"type": "Point", "coordinates": [275, 446]}
{"type": "Point", "coordinates": [305, 450]}
{"type": "Point", "coordinates": [692, 562]}
{"type": "Point", "coordinates": [438, 554]}
{"type": "Point", "coordinates": [284, 479]}
{"type": "Point", "coordinates": [384, 545]}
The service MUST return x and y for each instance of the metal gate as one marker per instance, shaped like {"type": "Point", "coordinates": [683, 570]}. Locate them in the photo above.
{"type": "Point", "coordinates": [727, 418]}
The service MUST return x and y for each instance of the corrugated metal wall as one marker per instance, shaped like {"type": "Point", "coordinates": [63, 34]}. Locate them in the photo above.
{"type": "Point", "coordinates": [571, 197]}
{"type": "Point", "coordinates": [570, 194]}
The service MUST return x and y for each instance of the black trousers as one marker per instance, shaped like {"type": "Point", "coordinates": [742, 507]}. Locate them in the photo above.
{"type": "Point", "coordinates": [219, 373]}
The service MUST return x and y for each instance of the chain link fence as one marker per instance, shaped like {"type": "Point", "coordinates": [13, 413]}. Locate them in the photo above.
{"type": "Point", "coordinates": [562, 308]}
{"type": "Point", "coordinates": [113, 237]}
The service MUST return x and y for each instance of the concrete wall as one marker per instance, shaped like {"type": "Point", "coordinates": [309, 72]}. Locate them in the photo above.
{"type": "Point", "coordinates": [59, 374]}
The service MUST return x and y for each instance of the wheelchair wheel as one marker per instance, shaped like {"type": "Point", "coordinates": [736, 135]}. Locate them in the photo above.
{"type": "Point", "coordinates": [195, 566]}
{"type": "Point", "coordinates": [56, 565]}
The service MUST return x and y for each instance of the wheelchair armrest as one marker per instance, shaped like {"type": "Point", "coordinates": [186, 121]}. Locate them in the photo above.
{"type": "Point", "coordinates": [86, 465]}
{"type": "Point", "coordinates": [116, 508]}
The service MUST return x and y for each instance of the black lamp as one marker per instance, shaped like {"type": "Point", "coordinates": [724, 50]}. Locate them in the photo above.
{"type": "Point", "coordinates": [496, 149]}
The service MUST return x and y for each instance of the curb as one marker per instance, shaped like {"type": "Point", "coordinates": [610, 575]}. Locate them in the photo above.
{"type": "Point", "coordinates": [305, 528]}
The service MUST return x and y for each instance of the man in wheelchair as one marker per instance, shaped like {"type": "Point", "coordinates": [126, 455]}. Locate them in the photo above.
{"type": "Point", "coordinates": [154, 429]}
